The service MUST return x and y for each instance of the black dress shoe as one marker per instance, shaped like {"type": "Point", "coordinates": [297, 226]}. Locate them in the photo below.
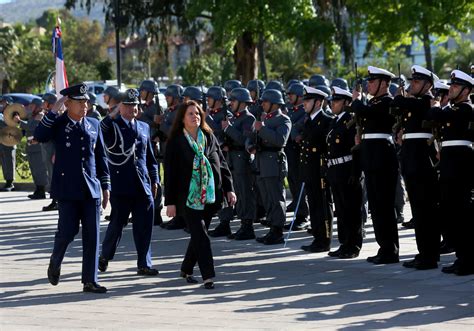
{"type": "Point", "coordinates": [410, 264]}
{"type": "Point", "coordinates": [37, 195]}
{"type": "Point", "coordinates": [245, 232]}
{"type": "Point", "coordinates": [315, 248]}
{"type": "Point", "coordinates": [103, 264]}
{"type": "Point", "coordinates": [94, 288]}
{"type": "Point", "coordinates": [262, 238]}
{"type": "Point", "coordinates": [8, 186]}
{"type": "Point", "coordinates": [291, 207]}
{"type": "Point", "coordinates": [445, 249]}
{"type": "Point", "coordinates": [189, 278]}
{"type": "Point", "coordinates": [409, 225]}
{"type": "Point", "coordinates": [209, 285]}
{"type": "Point", "coordinates": [336, 253]}
{"type": "Point", "coordinates": [274, 239]}
{"type": "Point", "coordinates": [52, 206]}
{"type": "Point", "coordinates": [53, 274]}
{"type": "Point", "coordinates": [450, 269]}
{"type": "Point", "coordinates": [350, 254]}
{"type": "Point", "coordinates": [379, 259]}
{"type": "Point", "coordinates": [464, 270]}
{"type": "Point", "coordinates": [221, 230]}
{"type": "Point", "coordinates": [147, 272]}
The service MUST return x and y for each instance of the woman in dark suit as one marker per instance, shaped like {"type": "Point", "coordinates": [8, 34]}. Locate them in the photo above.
{"type": "Point", "coordinates": [196, 179]}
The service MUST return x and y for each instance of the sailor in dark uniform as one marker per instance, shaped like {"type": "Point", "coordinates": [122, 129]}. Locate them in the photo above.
{"type": "Point", "coordinates": [80, 171]}
{"type": "Point", "coordinates": [456, 170]}
{"type": "Point", "coordinates": [344, 176]}
{"type": "Point", "coordinates": [312, 169]}
{"type": "Point", "coordinates": [379, 162]}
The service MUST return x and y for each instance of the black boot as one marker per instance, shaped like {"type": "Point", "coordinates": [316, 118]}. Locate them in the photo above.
{"type": "Point", "coordinates": [38, 194]}
{"type": "Point", "coordinates": [410, 224]}
{"type": "Point", "coordinates": [52, 206]}
{"type": "Point", "coordinates": [246, 231]}
{"type": "Point", "coordinates": [221, 230]}
{"type": "Point", "coordinates": [8, 186]}
{"type": "Point", "coordinates": [275, 237]}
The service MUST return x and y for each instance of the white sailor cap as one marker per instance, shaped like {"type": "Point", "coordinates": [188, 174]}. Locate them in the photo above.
{"type": "Point", "coordinates": [313, 93]}
{"type": "Point", "coordinates": [339, 93]}
{"type": "Point", "coordinates": [377, 73]}
{"type": "Point", "coordinates": [419, 73]}
{"type": "Point", "coordinates": [439, 85]}
{"type": "Point", "coordinates": [461, 78]}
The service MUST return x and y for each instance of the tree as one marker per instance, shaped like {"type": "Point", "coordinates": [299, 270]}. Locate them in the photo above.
{"type": "Point", "coordinates": [390, 24]}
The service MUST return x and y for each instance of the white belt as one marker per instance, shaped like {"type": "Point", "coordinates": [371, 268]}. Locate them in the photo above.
{"type": "Point", "coordinates": [420, 135]}
{"type": "Point", "coordinates": [339, 160]}
{"type": "Point", "coordinates": [449, 143]}
{"type": "Point", "coordinates": [376, 136]}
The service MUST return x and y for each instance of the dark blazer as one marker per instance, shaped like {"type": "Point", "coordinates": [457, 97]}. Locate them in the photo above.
{"type": "Point", "coordinates": [141, 170]}
{"type": "Point", "coordinates": [178, 168]}
{"type": "Point", "coordinates": [80, 167]}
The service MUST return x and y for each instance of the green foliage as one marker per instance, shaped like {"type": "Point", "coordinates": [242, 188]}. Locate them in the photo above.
{"type": "Point", "coordinates": [462, 56]}
{"type": "Point", "coordinates": [208, 69]}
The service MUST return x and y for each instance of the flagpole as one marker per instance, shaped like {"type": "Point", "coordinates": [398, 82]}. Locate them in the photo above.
{"type": "Point", "coordinates": [117, 42]}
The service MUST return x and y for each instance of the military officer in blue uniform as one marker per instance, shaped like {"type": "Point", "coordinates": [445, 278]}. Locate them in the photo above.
{"type": "Point", "coordinates": [312, 169]}
{"type": "Point", "coordinates": [238, 130]}
{"type": "Point", "coordinates": [456, 170]}
{"type": "Point", "coordinates": [267, 143]}
{"type": "Point", "coordinates": [80, 171]}
{"type": "Point", "coordinates": [134, 178]}
{"type": "Point", "coordinates": [344, 176]}
{"type": "Point", "coordinates": [417, 166]}
{"type": "Point", "coordinates": [379, 162]}
{"type": "Point", "coordinates": [35, 152]}
{"type": "Point", "coordinates": [297, 116]}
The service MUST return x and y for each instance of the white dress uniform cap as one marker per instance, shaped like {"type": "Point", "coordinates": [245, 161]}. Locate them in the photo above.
{"type": "Point", "coordinates": [440, 85]}
{"type": "Point", "coordinates": [311, 92]}
{"type": "Point", "coordinates": [337, 91]}
{"type": "Point", "coordinates": [461, 78]}
{"type": "Point", "coordinates": [417, 70]}
{"type": "Point", "coordinates": [374, 71]}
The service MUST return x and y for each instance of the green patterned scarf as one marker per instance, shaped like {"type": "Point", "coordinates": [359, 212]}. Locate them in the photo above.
{"type": "Point", "coordinates": [201, 187]}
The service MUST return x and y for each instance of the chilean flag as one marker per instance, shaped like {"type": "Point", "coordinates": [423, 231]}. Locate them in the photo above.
{"type": "Point", "coordinates": [61, 77]}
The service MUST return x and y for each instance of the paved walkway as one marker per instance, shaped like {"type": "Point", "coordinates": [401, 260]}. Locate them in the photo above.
{"type": "Point", "coordinates": [258, 287]}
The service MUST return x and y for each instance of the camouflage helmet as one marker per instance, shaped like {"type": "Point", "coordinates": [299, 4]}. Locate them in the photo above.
{"type": "Point", "coordinates": [174, 90]}
{"type": "Point", "coordinates": [232, 84]}
{"type": "Point", "coordinates": [92, 98]}
{"type": "Point", "coordinates": [274, 85]}
{"type": "Point", "coordinates": [194, 93]}
{"type": "Point", "coordinates": [240, 94]}
{"type": "Point", "coordinates": [50, 98]}
{"type": "Point", "coordinates": [253, 84]}
{"type": "Point", "coordinates": [341, 83]}
{"type": "Point", "coordinates": [296, 89]}
{"type": "Point", "coordinates": [150, 86]}
{"type": "Point", "coordinates": [316, 80]}
{"type": "Point", "coordinates": [323, 88]}
{"type": "Point", "coordinates": [273, 96]}
{"type": "Point", "coordinates": [216, 93]}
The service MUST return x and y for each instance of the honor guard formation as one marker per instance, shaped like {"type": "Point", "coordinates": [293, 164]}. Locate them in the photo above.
{"type": "Point", "coordinates": [232, 151]}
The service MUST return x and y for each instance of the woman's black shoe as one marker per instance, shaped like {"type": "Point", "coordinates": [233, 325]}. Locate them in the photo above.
{"type": "Point", "coordinates": [189, 278]}
{"type": "Point", "coordinates": [209, 285]}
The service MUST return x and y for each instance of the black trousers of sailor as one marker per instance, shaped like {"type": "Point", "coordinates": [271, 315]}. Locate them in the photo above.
{"type": "Point", "coordinates": [321, 221]}
{"type": "Point", "coordinates": [199, 248]}
{"type": "Point", "coordinates": [72, 213]}
{"type": "Point", "coordinates": [348, 202]}
{"type": "Point", "coordinates": [141, 207]}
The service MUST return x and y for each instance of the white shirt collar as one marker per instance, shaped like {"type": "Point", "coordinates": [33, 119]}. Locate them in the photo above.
{"type": "Point", "coordinates": [313, 115]}
{"type": "Point", "coordinates": [73, 121]}
{"type": "Point", "coordinates": [128, 122]}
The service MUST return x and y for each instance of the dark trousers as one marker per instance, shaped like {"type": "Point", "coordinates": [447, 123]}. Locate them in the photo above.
{"type": "Point", "coordinates": [71, 214]}
{"type": "Point", "coordinates": [199, 248]}
{"type": "Point", "coordinates": [381, 187]}
{"type": "Point", "coordinates": [274, 199]}
{"type": "Point", "coordinates": [423, 193]}
{"type": "Point", "coordinates": [141, 207]}
{"type": "Point", "coordinates": [348, 202]}
{"type": "Point", "coordinates": [320, 212]}
{"type": "Point", "coordinates": [159, 193]}
{"type": "Point", "coordinates": [246, 198]}
{"type": "Point", "coordinates": [294, 180]}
